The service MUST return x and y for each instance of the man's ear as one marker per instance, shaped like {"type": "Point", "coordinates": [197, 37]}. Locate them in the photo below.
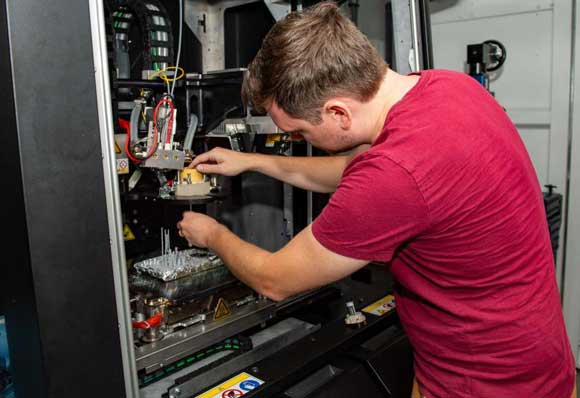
{"type": "Point", "coordinates": [339, 112]}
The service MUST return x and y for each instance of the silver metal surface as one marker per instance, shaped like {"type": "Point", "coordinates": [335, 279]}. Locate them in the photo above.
{"type": "Point", "coordinates": [177, 264]}
{"type": "Point", "coordinates": [211, 37]}
{"type": "Point", "coordinates": [416, 60]}
{"type": "Point", "coordinates": [278, 8]}
{"type": "Point", "coordinates": [404, 37]}
{"type": "Point", "coordinates": [187, 341]}
{"type": "Point", "coordinates": [114, 215]}
{"type": "Point", "coordinates": [166, 159]}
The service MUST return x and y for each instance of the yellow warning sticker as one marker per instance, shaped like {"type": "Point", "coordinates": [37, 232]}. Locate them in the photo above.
{"type": "Point", "coordinates": [221, 310]}
{"type": "Point", "coordinates": [272, 139]}
{"type": "Point", "coordinates": [382, 306]}
{"type": "Point", "coordinates": [118, 148]}
{"type": "Point", "coordinates": [127, 233]}
{"type": "Point", "coordinates": [122, 166]}
{"type": "Point", "coordinates": [235, 387]}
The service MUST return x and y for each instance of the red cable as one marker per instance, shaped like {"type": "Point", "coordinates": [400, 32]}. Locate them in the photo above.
{"type": "Point", "coordinates": [125, 125]}
{"type": "Point", "coordinates": [155, 320]}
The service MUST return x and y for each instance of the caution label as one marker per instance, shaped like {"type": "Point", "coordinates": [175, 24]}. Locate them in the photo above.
{"type": "Point", "coordinates": [272, 139]}
{"type": "Point", "coordinates": [237, 386]}
{"type": "Point", "coordinates": [382, 306]}
{"type": "Point", "coordinates": [122, 166]}
{"type": "Point", "coordinates": [221, 310]}
{"type": "Point", "coordinates": [127, 233]}
{"type": "Point", "coordinates": [118, 149]}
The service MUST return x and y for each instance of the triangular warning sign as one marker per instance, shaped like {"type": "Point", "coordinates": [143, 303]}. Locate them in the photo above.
{"type": "Point", "coordinates": [117, 148]}
{"type": "Point", "coordinates": [127, 233]}
{"type": "Point", "coordinates": [221, 310]}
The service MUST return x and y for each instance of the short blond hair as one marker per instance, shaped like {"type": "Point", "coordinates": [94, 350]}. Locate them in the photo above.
{"type": "Point", "coordinates": [309, 57]}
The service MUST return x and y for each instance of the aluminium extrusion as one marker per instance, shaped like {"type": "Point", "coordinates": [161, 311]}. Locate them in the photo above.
{"type": "Point", "coordinates": [97, 19]}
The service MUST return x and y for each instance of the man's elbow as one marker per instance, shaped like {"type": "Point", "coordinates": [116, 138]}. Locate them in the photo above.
{"type": "Point", "coordinates": [273, 291]}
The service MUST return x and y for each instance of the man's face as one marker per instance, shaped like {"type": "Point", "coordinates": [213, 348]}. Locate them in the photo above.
{"type": "Point", "coordinates": [328, 135]}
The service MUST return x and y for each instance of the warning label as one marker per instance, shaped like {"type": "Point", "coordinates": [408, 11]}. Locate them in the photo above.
{"type": "Point", "coordinates": [221, 310]}
{"type": "Point", "coordinates": [122, 166]}
{"type": "Point", "coordinates": [232, 393]}
{"type": "Point", "coordinates": [272, 139]}
{"type": "Point", "coordinates": [127, 233]}
{"type": "Point", "coordinates": [235, 387]}
{"type": "Point", "coordinates": [381, 307]}
{"type": "Point", "coordinates": [118, 149]}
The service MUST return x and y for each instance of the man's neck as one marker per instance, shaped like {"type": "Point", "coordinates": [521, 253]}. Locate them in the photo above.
{"type": "Point", "coordinates": [392, 90]}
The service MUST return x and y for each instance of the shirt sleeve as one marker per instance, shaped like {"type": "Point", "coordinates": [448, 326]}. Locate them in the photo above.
{"type": "Point", "coordinates": [376, 208]}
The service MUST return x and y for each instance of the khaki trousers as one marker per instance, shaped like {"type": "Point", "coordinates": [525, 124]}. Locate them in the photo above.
{"type": "Point", "coordinates": [417, 393]}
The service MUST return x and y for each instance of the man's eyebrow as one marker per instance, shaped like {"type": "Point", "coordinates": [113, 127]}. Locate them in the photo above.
{"type": "Point", "coordinates": [297, 131]}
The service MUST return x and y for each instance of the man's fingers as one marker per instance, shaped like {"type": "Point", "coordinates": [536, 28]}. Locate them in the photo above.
{"type": "Point", "coordinates": [211, 156]}
{"type": "Point", "coordinates": [203, 158]}
{"type": "Point", "coordinates": [208, 168]}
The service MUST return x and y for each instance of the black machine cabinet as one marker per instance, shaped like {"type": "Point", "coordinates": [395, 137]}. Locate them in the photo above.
{"type": "Point", "coordinates": [57, 288]}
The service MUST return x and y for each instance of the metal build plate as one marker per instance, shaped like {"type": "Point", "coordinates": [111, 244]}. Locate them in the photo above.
{"type": "Point", "coordinates": [166, 159]}
{"type": "Point", "coordinates": [186, 288]}
{"type": "Point", "coordinates": [175, 346]}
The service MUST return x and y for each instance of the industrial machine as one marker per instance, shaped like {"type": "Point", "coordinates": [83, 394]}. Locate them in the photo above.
{"type": "Point", "coordinates": [484, 58]}
{"type": "Point", "coordinates": [147, 315]}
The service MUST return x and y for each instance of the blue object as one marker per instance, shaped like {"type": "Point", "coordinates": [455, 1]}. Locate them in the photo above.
{"type": "Point", "coordinates": [480, 77]}
{"type": "Point", "coordinates": [249, 385]}
{"type": "Point", "coordinates": [4, 354]}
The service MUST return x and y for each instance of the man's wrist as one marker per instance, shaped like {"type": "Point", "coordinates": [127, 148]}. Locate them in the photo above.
{"type": "Point", "coordinates": [252, 161]}
{"type": "Point", "coordinates": [214, 237]}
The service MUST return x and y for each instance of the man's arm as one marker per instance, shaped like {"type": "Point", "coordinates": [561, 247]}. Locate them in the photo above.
{"type": "Point", "coordinates": [301, 265]}
{"type": "Point", "coordinates": [317, 174]}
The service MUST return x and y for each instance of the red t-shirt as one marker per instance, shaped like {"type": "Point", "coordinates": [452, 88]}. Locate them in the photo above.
{"type": "Point", "coordinates": [448, 195]}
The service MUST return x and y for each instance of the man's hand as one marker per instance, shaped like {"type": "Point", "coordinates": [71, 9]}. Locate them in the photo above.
{"type": "Point", "coordinates": [222, 161]}
{"type": "Point", "coordinates": [197, 229]}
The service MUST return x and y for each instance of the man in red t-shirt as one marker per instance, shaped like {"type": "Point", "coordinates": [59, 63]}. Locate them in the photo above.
{"type": "Point", "coordinates": [446, 194]}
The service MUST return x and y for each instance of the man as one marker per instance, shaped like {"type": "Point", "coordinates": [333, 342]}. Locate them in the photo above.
{"type": "Point", "coordinates": [446, 193]}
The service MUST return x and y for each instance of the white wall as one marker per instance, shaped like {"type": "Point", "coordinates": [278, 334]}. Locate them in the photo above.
{"type": "Point", "coordinates": [572, 265]}
{"type": "Point", "coordinates": [534, 84]}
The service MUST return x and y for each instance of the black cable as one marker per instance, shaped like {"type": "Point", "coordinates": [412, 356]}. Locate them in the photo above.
{"type": "Point", "coordinates": [501, 60]}
{"type": "Point", "coordinates": [221, 118]}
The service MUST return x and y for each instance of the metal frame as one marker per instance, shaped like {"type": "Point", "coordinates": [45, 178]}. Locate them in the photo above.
{"type": "Point", "coordinates": [411, 35]}
{"type": "Point", "coordinates": [62, 296]}
{"type": "Point", "coordinates": [571, 271]}
{"type": "Point", "coordinates": [114, 214]}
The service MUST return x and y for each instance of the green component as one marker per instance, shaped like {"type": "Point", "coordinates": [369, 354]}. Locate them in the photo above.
{"type": "Point", "coordinates": [209, 351]}
{"type": "Point", "coordinates": [236, 347]}
{"type": "Point", "coordinates": [228, 346]}
{"type": "Point", "coordinates": [201, 354]}
{"type": "Point", "coordinates": [190, 360]}
{"type": "Point", "coordinates": [180, 364]}
{"type": "Point", "coordinates": [170, 369]}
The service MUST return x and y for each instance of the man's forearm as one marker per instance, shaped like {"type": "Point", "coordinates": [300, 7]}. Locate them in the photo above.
{"type": "Point", "coordinates": [317, 174]}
